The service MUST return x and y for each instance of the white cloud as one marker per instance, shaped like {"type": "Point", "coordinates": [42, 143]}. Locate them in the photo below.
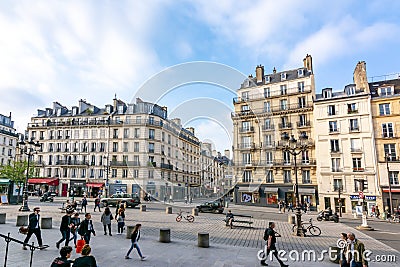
{"type": "Point", "coordinates": [214, 133]}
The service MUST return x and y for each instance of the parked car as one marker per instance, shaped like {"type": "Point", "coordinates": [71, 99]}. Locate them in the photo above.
{"type": "Point", "coordinates": [212, 206]}
{"type": "Point", "coordinates": [130, 200]}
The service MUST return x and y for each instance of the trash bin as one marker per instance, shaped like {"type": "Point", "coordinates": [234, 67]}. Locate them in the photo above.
{"type": "Point", "coordinates": [291, 219]}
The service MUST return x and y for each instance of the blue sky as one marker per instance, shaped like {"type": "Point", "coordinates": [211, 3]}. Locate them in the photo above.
{"type": "Point", "coordinates": [67, 50]}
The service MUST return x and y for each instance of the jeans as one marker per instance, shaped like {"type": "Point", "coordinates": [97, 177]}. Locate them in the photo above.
{"type": "Point", "coordinates": [355, 264]}
{"type": "Point", "coordinates": [37, 233]}
{"type": "Point", "coordinates": [87, 238]}
{"type": "Point", "coordinates": [65, 236]}
{"type": "Point", "coordinates": [105, 228]}
{"type": "Point", "coordinates": [134, 245]}
{"type": "Point", "coordinates": [121, 227]}
{"type": "Point", "coordinates": [84, 207]}
{"type": "Point", "coordinates": [275, 253]}
{"type": "Point", "coordinates": [97, 206]}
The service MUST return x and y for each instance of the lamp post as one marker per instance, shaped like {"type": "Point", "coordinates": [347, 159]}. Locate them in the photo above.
{"type": "Point", "coordinates": [390, 184]}
{"type": "Point", "coordinates": [340, 200]}
{"type": "Point", "coordinates": [294, 147]}
{"type": "Point", "coordinates": [107, 170]}
{"type": "Point", "coordinates": [28, 148]}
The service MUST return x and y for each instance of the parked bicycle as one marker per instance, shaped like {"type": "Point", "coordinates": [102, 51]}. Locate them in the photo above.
{"type": "Point", "coordinates": [314, 230]}
{"type": "Point", "coordinates": [189, 217]}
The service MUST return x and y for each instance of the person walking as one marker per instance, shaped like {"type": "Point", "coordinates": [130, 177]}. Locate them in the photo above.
{"type": "Point", "coordinates": [378, 213]}
{"type": "Point", "coordinates": [97, 203]}
{"type": "Point", "coordinates": [120, 220]}
{"type": "Point", "coordinates": [84, 203]}
{"type": "Point", "coordinates": [134, 242]}
{"type": "Point", "coordinates": [171, 199]}
{"type": "Point", "coordinates": [106, 219]}
{"type": "Point", "coordinates": [63, 261]}
{"type": "Point", "coordinates": [290, 207]}
{"type": "Point", "coordinates": [34, 228]}
{"type": "Point", "coordinates": [355, 252]}
{"type": "Point", "coordinates": [284, 206]}
{"type": "Point", "coordinates": [65, 228]}
{"type": "Point", "coordinates": [342, 257]}
{"type": "Point", "coordinates": [86, 260]}
{"type": "Point", "coordinates": [280, 206]}
{"type": "Point", "coordinates": [270, 237]}
{"type": "Point", "coordinates": [76, 222]}
{"type": "Point", "coordinates": [86, 228]}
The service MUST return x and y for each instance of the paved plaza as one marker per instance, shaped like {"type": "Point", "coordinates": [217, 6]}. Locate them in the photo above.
{"type": "Point", "coordinates": [228, 247]}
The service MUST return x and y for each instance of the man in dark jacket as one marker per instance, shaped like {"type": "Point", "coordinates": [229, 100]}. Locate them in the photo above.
{"type": "Point", "coordinates": [63, 261]}
{"type": "Point", "coordinates": [65, 228]}
{"type": "Point", "coordinates": [270, 237]}
{"type": "Point", "coordinates": [86, 228]}
{"type": "Point", "coordinates": [34, 228]}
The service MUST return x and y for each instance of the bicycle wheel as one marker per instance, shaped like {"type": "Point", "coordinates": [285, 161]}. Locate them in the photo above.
{"type": "Point", "coordinates": [314, 230]}
{"type": "Point", "coordinates": [178, 218]}
{"type": "Point", "coordinates": [190, 218]}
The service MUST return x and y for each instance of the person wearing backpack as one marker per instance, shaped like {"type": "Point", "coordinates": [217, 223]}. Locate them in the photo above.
{"type": "Point", "coordinates": [63, 261]}
{"type": "Point", "coordinates": [86, 228]}
{"type": "Point", "coordinates": [270, 238]}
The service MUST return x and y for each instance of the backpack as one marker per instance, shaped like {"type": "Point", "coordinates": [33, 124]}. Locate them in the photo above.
{"type": "Point", "coordinates": [58, 262]}
{"type": "Point", "coordinates": [84, 202]}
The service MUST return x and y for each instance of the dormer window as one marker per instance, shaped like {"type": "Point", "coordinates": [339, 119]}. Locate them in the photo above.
{"type": "Point", "coordinates": [283, 76]}
{"type": "Point", "coordinates": [351, 90]}
{"type": "Point", "coordinates": [120, 109]}
{"type": "Point", "coordinates": [385, 91]}
{"type": "Point", "coordinates": [267, 79]}
{"type": "Point", "coordinates": [300, 73]}
{"type": "Point", "coordinates": [245, 96]}
{"type": "Point", "coordinates": [327, 93]}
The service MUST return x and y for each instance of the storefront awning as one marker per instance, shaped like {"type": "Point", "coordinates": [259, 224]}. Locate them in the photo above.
{"type": "Point", "coordinates": [48, 181]}
{"type": "Point", "coordinates": [271, 190]}
{"type": "Point", "coordinates": [250, 188]}
{"type": "Point", "coordinates": [97, 185]}
{"type": "Point", "coordinates": [394, 190]}
{"type": "Point", "coordinates": [4, 181]}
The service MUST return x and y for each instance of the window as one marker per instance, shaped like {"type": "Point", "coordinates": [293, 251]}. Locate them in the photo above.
{"type": "Point", "coordinates": [283, 89]}
{"type": "Point", "coordinates": [331, 110]}
{"type": "Point", "coordinates": [268, 140]}
{"type": "Point", "coordinates": [126, 133]}
{"type": "Point", "coordinates": [151, 147]}
{"type": "Point", "coordinates": [387, 130]}
{"type": "Point", "coordinates": [351, 90]}
{"type": "Point", "coordinates": [384, 109]}
{"type": "Point", "coordinates": [283, 104]}
{"type": "Point", "coordinates": [326, 93]}
{"type": "Point", "coordinates": [267, 124]}
{"type": "Point", "coordinates": [246, 142]}
{"type": "Point", "coordinates": [245, 96]}
{"type": "Point", "coordinates": [267, 106]}
{"type": "Point", "coordinates": [337, 184]}
{"type": "Point", "coordinates": [137, 132]}
{"type": "Point", "coordinates": [333, 127]}
{"type": "Point", "coordinates": [335, 164]}
{"type": "Point", "coordinates": [286, 157]}
{"type": "Point", "coordinates": [300, 86]}
{"type": "Point", "coordinates": [394, 177]}
{"type": "Point", "coordinates": [306, 177]}
{"type": "Point", "coordinates": [357, 165]}
{"type": "Point", "coordinates": [300, 73]}
{"type": "Point", "coordinates": [245, 108]}
{"type": "Point", "coordinates": [247, 177]}
{"type": "Point", "coordinates": [138, 119]}
{"type": "Point", "coordinates": [102, 147]}
{"type": "Point", "coordinates": [115, 146]}
{"type": "Point", "coordinates": [285, 122]}
{"type": "Point", "coordinates": [335, 145]}
{"type": "Point", "coordinates": [151, 134]}
{"type": "Point", "coordinates": [115, 133]}
{"type": "Point", "coordinates": [270, 177]}
{"type": "Point", "coordinates": [114, 173]}
{"type": "Point", "coordinates": [385, 91]}
{"type": "Point", "coordinates": [287, 176]}
{"type": "Point", "coordinates": [269, 157]}
{"type": "Point", "coordinates": [360, 185]}
{"type": "Point", "coordinates": [246, 157]}
{"type": "Point", "coordinates": [245, 126]}
{"type": "Point", "coordinates": [390, 150]}
{"type": "Point", "coordinates": [302, 120]}
{"type": "Point", "coordinates": [94, 134]}
{"type": "Point", "coordinates": [125, 147]}
{"type": "Point", "coordinates": [267, 92]}
{"type": "Point", "coordinates": [283, 76]}
{"type": "Point", "coordinates": [302, 102]}
{"type": "Point", "coordinates": [136, 147]}
{"type": "Point", "coordinates": [305, 157]}
{"type": "Point", "coordinates": [124, 173]}
{"type": "Point", "coordinates": [355, 144]}
{"type": "Point", "coordinates": [352, 108]}
{"type": "Point", "coordinates": [354, 125]}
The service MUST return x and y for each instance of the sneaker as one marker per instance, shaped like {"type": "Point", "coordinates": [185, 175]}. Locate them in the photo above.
{"type": "Point", "coordinates": [57, 245]}
{"type": "Point", "coordinates": [127, 257]}
{"type": "Point", "coordinates": [24, 248]}
{"type": "Point", "coordinates": [143, 258]}
{"type": "Point", "coordinates": [110, 234]}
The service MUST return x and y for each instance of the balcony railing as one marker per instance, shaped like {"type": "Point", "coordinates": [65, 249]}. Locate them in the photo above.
{"type": "Point", "coordinates": [285, 125]}
{"type": "Point", "coordinates": [356, 150]}
{"type": "Point", "coordinates": [352, 111]}
{"type": "Point", "coordinates": [358, 169]}
{"type": "Point", "coordinates": [268, 127]}
{"type": "Point", "coordinates": [246, 129]}
{"type": "Point", "coordinates": [354, 129]}
{"type": "Point", "coordinates": [388, 135]}
{"type": "Point", "coordinates": [275, 93]}
{"type": "Point", "coordinates": [333, 130]}
{"type": "Point", "coordinates": [167, 166]}
{"type": "Point", "coordinates": [72, 162]}
{"type": "Point", "coordinates": [336, 169]}
{"type": "Point", "coordinates": [303, 123]}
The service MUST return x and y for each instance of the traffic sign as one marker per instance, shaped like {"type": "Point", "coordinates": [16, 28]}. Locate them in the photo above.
{"type": "Point", "coordinates": [361, 195]}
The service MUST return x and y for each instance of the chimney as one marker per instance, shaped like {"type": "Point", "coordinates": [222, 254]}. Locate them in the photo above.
{"type": "Point", "coordinates": [274, 70]}
{"type": "Point", "coordinates": [227, 153]}
{"type": "Point", "coordinates": [360, 76]}
{"type": "Point", "coordinates": [260, 73]}
{"type": "Point", "coordinates": [308, 63]}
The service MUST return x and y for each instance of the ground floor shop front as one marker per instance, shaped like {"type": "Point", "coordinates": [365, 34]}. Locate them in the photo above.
{"type": "Point", "coordinates": [270, 195]}
{"type": "Point", "coordinates": [348, 202]}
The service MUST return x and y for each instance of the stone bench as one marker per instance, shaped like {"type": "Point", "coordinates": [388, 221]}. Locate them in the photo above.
{"type": "Point", "coordinates": [203, 240]}
{"type": "Point", "coordinates": [22, 220]}
{"type": "Point", "coordinates": [3, 218]}
{"type": "Point", "coordinates": [47, 223]}
{"type": "Point", "coordinates": [165, 235]}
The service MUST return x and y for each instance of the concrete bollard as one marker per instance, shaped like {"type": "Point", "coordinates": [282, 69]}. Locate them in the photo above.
{"type": "Point", "coordinates": [47, 223]}
{"type": "Point", "coordinates": [142, 208]}
{"type": "Point", "coordinates": [3, 218]}
{"type": "Point", "coordinates": [203, 240]}
{"type": "Point", "coordinates": [195, 212]}
{"type": "Point", "coordinates": [168, 210]}
{"type": "Point", "coordinates": [165, 235]}
{"type": "Point", "coordinates": [129, 231]}
{"type": "Point", "coordinates": [22, 220]}
{"type": "Point", "coordinates": [291, 219]}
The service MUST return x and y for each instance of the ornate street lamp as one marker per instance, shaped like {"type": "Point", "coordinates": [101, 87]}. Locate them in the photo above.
{"type": "Point", "coordinates": [29, 148]}
{"type": "Point", "coordinates": [296, 147]}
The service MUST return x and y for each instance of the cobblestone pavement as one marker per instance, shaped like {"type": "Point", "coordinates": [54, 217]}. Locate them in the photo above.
{"type": "Point", "coordinates": [229, 247]}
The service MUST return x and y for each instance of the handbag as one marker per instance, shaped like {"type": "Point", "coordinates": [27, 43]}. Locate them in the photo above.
{"type": "Point", "coordinates": [79, 245]}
